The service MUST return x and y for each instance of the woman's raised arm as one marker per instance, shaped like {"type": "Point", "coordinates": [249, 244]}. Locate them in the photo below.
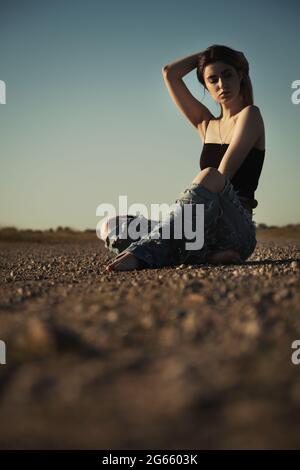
{"type": "Point", "coordinates": [193, 109]}
{"type": "Point", "coordinates": [181, 67]}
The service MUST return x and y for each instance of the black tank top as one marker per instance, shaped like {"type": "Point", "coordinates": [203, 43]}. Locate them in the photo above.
{"type": "Point", "coordinates": [245, 180]}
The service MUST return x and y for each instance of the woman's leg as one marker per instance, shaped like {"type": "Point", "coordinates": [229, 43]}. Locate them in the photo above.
{"type": "Point", "coordinates": [236, 229]}
{"type": "Point", "coordinates": [158, 252]}
{"type": "Point", "coordinates": [115, 231]}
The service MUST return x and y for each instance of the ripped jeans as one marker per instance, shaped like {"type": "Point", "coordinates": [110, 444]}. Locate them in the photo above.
{"type": "Point", "coordinates": [227, 225]}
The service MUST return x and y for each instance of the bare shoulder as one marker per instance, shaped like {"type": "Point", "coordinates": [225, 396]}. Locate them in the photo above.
{"type": "Point", "coordinates": [250, 115]}
{"type": "Point", "coordinates": [251, 112]}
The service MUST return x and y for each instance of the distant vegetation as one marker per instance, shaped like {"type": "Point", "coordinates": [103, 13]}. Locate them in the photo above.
{"type": "Point", "coordinates": [287, 231]}
{"type": "Point", "coordinates": [61, 234]}
{"type": "Point", "coordinates": [50, 235]}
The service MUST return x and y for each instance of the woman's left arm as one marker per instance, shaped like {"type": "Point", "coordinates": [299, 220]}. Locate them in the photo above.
{"type": "Point", "coordinates": [248, 129]}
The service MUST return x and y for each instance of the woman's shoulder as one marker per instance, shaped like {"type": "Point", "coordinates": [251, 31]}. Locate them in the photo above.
{"type": "Point", "coordinates": [250, 110]}
{"type": "Point", "coordinates": [251, 116]}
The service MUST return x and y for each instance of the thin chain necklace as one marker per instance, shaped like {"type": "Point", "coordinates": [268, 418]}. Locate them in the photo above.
{"type": "Point", "coordinates": [222, 143]}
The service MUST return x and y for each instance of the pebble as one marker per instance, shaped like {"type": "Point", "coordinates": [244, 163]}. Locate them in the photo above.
{"type": "Point", "coordinates": [295, 265]}
{"type": "Point", "coordinates": [33, 339]}
{"type": "Point", "coordinates": [147, 322]}
{"type": "Point", "coordinates": [112, 316]}
{"type": "Point", "coordinates": [180, 267]}
{"type": "Point", "coordinates": [180, 313]}
{"type": "Point", "coordinates": [251, 328]}
{"type": "Point", "coordinates": [282, 294]}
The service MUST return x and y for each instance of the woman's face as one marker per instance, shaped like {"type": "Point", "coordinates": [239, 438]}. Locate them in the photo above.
{"type": "Point", "coordinates": [222, 81]}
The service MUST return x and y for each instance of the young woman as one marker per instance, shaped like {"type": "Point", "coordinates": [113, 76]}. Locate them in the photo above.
{"type": "Point", "coordinates": [231, 162]}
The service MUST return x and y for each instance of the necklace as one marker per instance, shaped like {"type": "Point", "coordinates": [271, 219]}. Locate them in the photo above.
{"type": "Point", "coordinates": [222, 143]}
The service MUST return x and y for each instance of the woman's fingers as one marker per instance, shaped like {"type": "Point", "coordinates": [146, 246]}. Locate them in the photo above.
{"type": "Point", "coordinates": [117, 261]}
{"type": "Point", "coordinates": [126, 262]}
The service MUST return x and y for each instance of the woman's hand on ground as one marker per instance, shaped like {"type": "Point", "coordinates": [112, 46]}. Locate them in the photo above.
{"type": "Point", "coordinates": [124, 262]}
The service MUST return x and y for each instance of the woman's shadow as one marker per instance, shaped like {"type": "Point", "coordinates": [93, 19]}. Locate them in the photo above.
{"type": "Point", "coordinates": [269, 261]}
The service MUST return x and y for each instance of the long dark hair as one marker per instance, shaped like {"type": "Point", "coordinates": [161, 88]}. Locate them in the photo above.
{"type": "Point", "coordinates": [232, 57]}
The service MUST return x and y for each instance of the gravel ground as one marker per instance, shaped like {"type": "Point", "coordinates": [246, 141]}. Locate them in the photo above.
{"type": "Point", "coordinates": [193, 357]}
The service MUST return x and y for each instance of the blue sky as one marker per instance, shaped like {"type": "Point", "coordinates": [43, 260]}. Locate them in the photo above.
{"type": "Point", "coordinates": [88, 116]}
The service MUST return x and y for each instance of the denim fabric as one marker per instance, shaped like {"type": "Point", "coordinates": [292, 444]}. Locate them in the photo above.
{"type": "Point", "coordinates": [227, 225]}
{"type": "Point", "coordinates": [118, 238]}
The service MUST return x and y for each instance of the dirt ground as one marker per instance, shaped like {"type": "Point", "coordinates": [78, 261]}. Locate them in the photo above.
{"type": "Point", "coordinates": [193, 357]}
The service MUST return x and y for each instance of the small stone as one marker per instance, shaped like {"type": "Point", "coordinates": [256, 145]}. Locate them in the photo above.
{"type": "Point", "coordinates": [190, 324]}
{"type": "Point", "coordinates": [282, 294]}
{"type": "Point", "coordinates": [94, 308]}
{"type": "Point", "coordinates": [180, 313]}
{"type": "Point", "coordinates": [252, 329]}
{"type": "Point", "coordinates": [168, 337]}
{"type": "Point", "coordinates": [147, 322]}
{"type": "Point", "coordinates": [257, 297]}
{"type": "Point", "coordinates": [33, 340]}
{"type": "Point", "coordinates": [180, 267]}
{"type": "Point", "coordinates": [196, 298]}
{"type": "Point", "coordinates": [193, 285]}
{"type": "Point", "coordinates": [294, 265]}
{"type": "Point", "coordinates": [112, 316]}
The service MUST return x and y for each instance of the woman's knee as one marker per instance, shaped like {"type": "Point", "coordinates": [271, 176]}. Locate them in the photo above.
{"type": "Point", "coordinates": [211, 179]}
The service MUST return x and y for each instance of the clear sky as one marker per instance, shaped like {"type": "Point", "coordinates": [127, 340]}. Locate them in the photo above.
{"type": "Point", "coordinates": [88, 117]}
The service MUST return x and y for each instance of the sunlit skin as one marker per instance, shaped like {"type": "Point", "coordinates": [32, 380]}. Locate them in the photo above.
{"type": "Point", "coordinates": [219, 78]}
